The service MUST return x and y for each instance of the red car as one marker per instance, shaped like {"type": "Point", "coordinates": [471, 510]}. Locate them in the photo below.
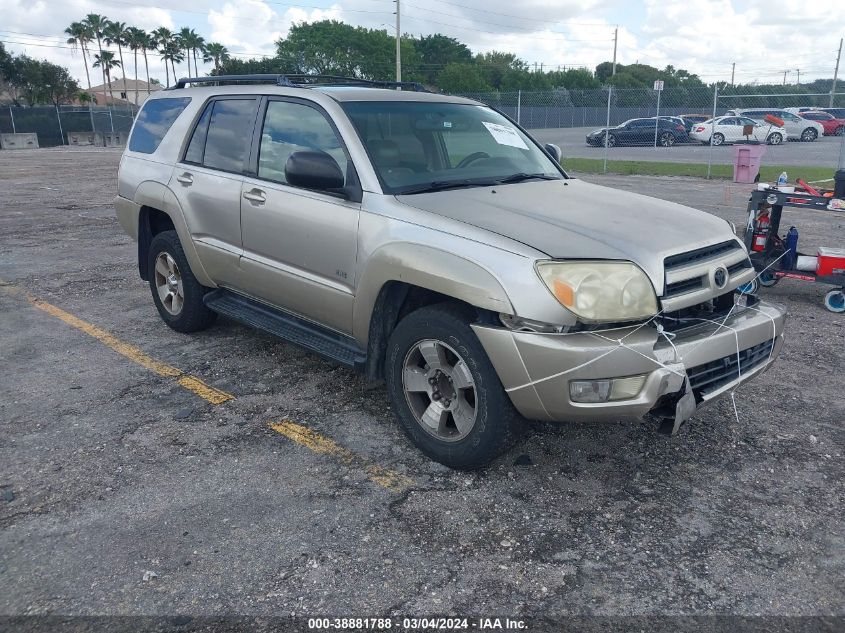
{"type": "Point", "coordinates": [832, 126]}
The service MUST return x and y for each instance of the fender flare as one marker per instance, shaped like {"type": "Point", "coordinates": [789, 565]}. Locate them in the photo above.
{"type": "Point", "coordinates": [426, 267]}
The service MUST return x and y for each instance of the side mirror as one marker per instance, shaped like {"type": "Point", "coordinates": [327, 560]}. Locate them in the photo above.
{"type": "Point", "coordinates": [313, 170]}
{"type": "Point", "coordinates": [554, 151]}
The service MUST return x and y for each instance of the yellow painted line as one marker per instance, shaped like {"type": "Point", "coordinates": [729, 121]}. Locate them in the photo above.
{"type": "Point", "coordinates": [384, 477]}
{"type": "Point", "coordinates": [191, 383]}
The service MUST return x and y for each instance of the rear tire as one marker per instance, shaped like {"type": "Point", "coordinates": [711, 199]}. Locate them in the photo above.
{"type": "Point", "coordinates": [809, 135]}
{"type": "Point", "coordinates": [177, 294]}
{"type": "Point", "coordinates": [444, 391]}
{"type": "Point", "coordinates": [718, 138]}
{"type": "Point", "coordinates": [667, 139]}
{"type": "Point", "coordinates": [839, 131]}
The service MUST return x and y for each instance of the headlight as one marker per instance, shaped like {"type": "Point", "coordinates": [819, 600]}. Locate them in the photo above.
{"type": "Point", "coordinates": [599, 290]}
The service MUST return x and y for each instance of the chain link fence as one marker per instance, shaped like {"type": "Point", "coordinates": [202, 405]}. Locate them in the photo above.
{"type": "Point", "coordinates": [568, 117]}
{"type": "Point", "coordinates": [53, 124]}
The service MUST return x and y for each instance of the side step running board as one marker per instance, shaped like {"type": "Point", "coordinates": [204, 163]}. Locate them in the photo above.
{"type": "Point", "coordinates": [332, 345]}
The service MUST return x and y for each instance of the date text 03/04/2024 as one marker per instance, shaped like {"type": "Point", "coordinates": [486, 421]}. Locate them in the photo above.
{"type": "Point", "coordinates": [416, 624]}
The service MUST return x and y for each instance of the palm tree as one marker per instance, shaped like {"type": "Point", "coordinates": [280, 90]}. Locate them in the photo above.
{"type": "Point", "coordinates": [80, 35]}
{"type": "Point", "coordinates": [185, 37]}
{"type": "Point", "coordinates": [115, 33]}
{"type": "Point", "coordinates": [198, 45]}
{"type": "Point", "coordinates": [172, 52]}
{"type": "Point", "coordinates": [106, 61]}
{"type": "Point", "coordinates": [97, 23]}
{"type": "Point", "coordinates": [149, 44]}
{"type": "Point", "coordinates": [161, 38]}
{"type": "Point", "coordinates": [217, 53]}
{"type": "Point", "coordinates": [136, 39]}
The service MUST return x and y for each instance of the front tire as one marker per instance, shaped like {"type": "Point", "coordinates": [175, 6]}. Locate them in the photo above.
{"type": "Point", "coordinates": [839, 131]}
{"type": "Point", "coordinates": [667, 139]}
{"type": "Point", "coordinates": [775, 139]}
{"type": "Point", "coordinates": [444, 390]}
{"type": "Point", "coordinates": [176, 292]}
{"type": "Point", "coordinates": [611, 140]}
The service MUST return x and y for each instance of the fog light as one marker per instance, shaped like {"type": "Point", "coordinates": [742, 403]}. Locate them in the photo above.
{"type": "Point", "coordinates": [589, 390]}
{"type": "Point", "coordinates": [607, 389]}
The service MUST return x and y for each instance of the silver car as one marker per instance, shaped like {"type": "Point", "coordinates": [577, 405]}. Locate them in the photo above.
{"type": "Point", "coordinates": [429, 241]}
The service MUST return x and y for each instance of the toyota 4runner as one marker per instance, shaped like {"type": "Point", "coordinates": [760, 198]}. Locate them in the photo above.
{"type": "Point", "coordinates": [428, 240]}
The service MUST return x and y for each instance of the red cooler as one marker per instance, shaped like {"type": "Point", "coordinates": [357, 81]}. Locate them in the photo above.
{"type": "Point", "coordinates": [831, 261]}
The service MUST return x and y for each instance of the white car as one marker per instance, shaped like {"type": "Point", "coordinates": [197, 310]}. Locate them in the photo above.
{"type": "Point", "coordinates": [729, 129]}
{"type": "Point", "coordinates": [799, 129]}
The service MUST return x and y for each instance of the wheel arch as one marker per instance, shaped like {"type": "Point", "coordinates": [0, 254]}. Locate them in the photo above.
{"type": "Point", "coordinates": [402, 277]}
{"type": "Point", "coordinates": [162, 212]}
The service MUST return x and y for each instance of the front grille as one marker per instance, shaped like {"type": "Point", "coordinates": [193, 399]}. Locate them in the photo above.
{"type": "Point", "coordinates": [712, 376]}
{"type": "Point", "coordinates": [689, 273]}
{"type": "Point", "coordinates": [700, 254]}
{"type": "Point", "coordinates": [735, 268]}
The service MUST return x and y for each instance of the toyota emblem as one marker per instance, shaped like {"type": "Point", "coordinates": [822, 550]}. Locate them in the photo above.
{"type": "Point", "coordinates": [720, 277]}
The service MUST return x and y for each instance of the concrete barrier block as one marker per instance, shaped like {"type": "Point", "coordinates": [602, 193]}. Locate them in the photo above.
{"type": "Point", "coordinates": [27, 140]}
{"type": "Point", "coordinates": [85, 138]}
{"type": "Point", "coordinates": [114, 139]}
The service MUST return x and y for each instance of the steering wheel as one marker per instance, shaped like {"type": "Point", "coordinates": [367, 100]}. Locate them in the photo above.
{"type": "Point", "coordinates": [471, 159]}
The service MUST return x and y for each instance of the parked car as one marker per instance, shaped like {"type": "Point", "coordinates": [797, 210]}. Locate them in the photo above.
{"type": "Point", "coordinates": [797, 127]}
{"type": "Point", "coordinates": [682, 136]}
{"type": "Point", "coordinates": [637, 132]}
{"type": "Point", "coordinates": [691, 119]}
{"type": "Point", "coordinates": [832, 126]}
{"type": "Point", "coordinates": [839, 113]}
{"type": "Point", "coordinates": [729, 129]}
{"type": "Point", "coordinates": [430, 241]}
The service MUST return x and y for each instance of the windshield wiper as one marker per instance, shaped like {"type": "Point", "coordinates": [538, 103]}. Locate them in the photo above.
{"type": "Point", "coordinates": [522, 176]}
{"type": "Point", "coordinates": [441, 185]}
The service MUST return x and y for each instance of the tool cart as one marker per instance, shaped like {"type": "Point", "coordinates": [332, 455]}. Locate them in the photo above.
{"type": "Point", "coordinates": [775, 257]}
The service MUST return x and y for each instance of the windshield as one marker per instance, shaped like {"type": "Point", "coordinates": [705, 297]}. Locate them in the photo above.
{"type": "Point", "coordinates": [422, 146]}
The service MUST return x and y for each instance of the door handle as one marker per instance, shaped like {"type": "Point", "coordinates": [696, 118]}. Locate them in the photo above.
{"type": "Point", "coordinates": [186, 179]}
{"type": "Point", "coordinates": [256, 196]}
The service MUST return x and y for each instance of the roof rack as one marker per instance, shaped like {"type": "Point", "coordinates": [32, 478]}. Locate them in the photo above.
{"type": "Point", "coordinates": [302, 81]}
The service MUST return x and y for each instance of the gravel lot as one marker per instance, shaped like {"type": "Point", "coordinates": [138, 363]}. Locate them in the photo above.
{"type": "Point", "coordinates": [109, 471]}
{"type": "Point", "coordinates": [823, 152]}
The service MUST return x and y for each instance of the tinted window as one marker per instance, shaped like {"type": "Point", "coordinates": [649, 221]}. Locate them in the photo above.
{"type": "Point", "coordinates": [154, 121]}
{"type": "Point", "coordinates": [229, 134]}
{"type": "Point", "coordinates": [291, 127]}
{"type": "Point", "coordinates": [196, 149]}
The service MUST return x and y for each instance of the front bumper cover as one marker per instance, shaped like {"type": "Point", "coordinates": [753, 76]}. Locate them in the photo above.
{"type": "Point", "coordinates": [535, 368]}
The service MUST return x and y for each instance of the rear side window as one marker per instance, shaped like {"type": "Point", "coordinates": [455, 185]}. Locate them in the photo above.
{"type": "Point", "coordinates": [154, 120]}
{"type": "Point", "coordinates": [229, 134]}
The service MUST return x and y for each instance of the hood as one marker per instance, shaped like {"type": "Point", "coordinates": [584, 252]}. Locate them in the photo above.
{"type": "Point", "coordinates": [573, 219]}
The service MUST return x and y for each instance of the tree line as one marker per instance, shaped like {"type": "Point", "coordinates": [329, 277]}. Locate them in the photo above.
{"type": "Point", "coordinates": [173, 48]}
{"type": "Point", "coordinates": [332, 47]}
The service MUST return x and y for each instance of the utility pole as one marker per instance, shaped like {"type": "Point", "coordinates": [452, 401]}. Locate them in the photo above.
{"type": "Point", "coordinates": [784, 72]}
{"type": "Point", "coordinates": [733, 70]}
{"type": "Point", "coordinates": [398, 46]}
{"type": "Point", "coordinates": [835, 73]}
{"type": "Point", "coordinates": [615, 41]}
{"type": "Point", "coordinates": [798, 70]}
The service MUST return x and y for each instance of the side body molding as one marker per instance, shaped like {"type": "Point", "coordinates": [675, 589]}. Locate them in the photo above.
{"type": "Point", "coordinates": [427, 267]}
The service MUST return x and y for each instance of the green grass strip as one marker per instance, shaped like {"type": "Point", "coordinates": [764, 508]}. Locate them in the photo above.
{"type": "Point", "coordinates": [768, 173]}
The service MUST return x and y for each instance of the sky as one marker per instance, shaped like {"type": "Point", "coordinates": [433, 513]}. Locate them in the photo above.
{"type": "Point", "coordinates": [706, 37]}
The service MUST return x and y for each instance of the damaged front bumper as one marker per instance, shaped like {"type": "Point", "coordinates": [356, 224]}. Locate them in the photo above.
{"type": "Point", "coordinates": [703, 360]}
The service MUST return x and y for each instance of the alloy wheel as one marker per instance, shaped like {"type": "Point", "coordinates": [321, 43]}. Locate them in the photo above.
{"type": "Point", "coordinates": [168, 281]}
{"type": "Point", "coordinates": [440, 390]}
